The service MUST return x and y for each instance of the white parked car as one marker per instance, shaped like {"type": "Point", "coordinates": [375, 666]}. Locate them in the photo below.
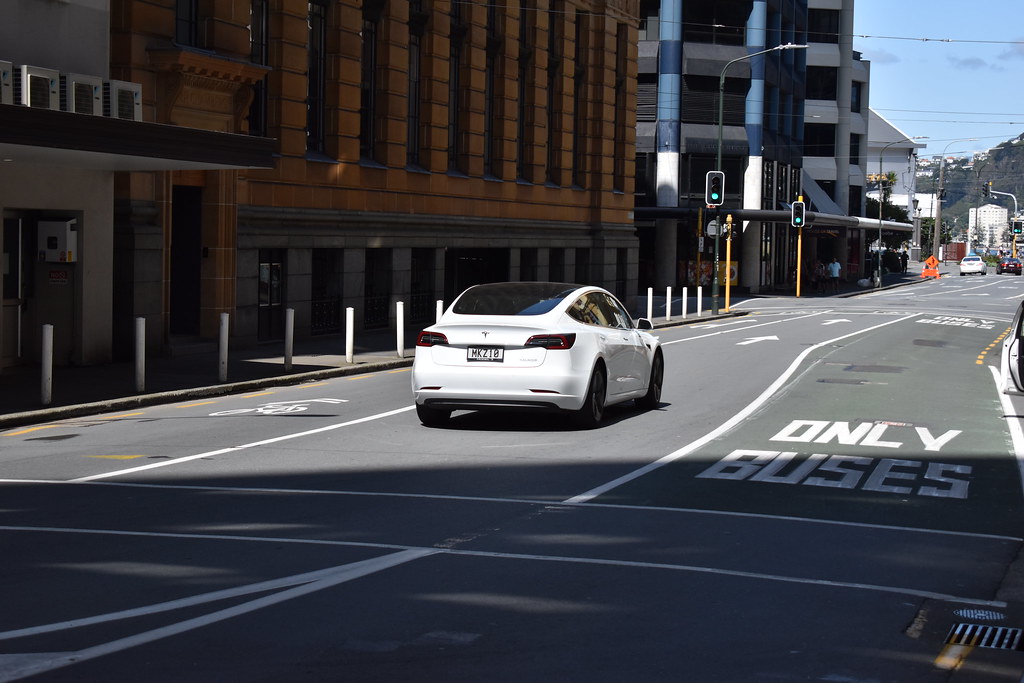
{"type": "Point", "coordinates": [973, 264]}
{"type": "Point", "coordinates": [535, 346]}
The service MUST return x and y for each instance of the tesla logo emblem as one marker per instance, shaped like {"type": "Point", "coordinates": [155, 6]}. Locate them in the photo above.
{"type": "Point", "coordinates": [485, 333]}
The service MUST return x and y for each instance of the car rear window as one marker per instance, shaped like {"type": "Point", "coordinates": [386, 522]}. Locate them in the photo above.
{"type": "Point", "coordinates": [513, 298]}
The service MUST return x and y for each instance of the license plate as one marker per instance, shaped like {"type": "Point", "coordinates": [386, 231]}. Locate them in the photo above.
{"type": "Point", "coordinates": [485, 354]}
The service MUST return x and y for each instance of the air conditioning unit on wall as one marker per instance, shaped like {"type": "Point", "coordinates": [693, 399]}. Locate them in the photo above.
{"type": "Point", "coordinates": [122, 100]}
{"type": "Point", "coordinates": [6, 82]}
{"type": "Point", "coordinates": [36, 86]}
{"type": "Point", "coordinates": [81, 94]}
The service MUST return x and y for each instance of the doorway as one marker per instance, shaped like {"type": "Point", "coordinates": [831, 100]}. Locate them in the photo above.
{"type": "Point", "coordinates": [186, 259]}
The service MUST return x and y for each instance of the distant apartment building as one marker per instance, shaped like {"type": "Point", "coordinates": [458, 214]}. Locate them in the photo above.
{"type": "Point", "coordinates": [988, 225]}
{"type": "Point", "coordinates": [685, 50]}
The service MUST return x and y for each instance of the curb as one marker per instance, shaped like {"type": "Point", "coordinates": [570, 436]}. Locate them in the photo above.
{"type": "Point", "coordinates": [160, 397]}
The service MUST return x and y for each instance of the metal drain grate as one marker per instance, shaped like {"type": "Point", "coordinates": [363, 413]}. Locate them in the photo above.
{"type": "Point", "coordinates": [980, 635]}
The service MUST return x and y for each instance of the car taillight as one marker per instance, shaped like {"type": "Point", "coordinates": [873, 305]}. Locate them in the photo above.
{"type": "Point", "coordinates": [552, 341]}
{"type": "Point", "coordinates": [431, 338]}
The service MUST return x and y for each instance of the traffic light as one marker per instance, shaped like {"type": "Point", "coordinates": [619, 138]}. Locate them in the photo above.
{"type": "Point", "coordinates": [1018, 227]}
{"type": "Point", "coordinates": [714, 188]}
{"type": "Point", "coordinates": [798, 214]}
{"type": "Point", "coordinates": [986, 188]}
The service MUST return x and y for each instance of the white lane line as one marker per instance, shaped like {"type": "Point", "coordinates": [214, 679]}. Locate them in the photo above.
{"type": "Point", "coordinates": [1012, 422]}
{"type": "Point", "coordinates": [22, 667]}
{"type": "Point", "coordinates": [517, 501]}
{"type": "Point", "coordinates": [741, 329]}
{"type": "Point", "coordinates": [728, 424]}
{"type": "Point", "coordinates": [232, 449]}
{"type": "Point", "coordinates": [416, 552]}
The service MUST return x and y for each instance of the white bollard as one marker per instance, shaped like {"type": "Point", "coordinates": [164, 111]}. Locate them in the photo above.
{"type": "Point", "coordinates": [400, 327]}
{"type": "Point", "coordinates": [222, 374]}
{"type": "Point", "coordinates": [686, 302]}
{"type": "Point", "coordinates": [47, 361]}
{"type": "Point", "coordinates": [289, 337]}
{"type": "Point", "coordinates": [140, 355]}
{"type": "Point", "coordinates": [650, 303]}
{"type": "Point", "coordinates": [350, 316]}
{"type": "Point", "coordinates": [440, 310]}
{"type": "Point", "coordinates": [700, 300]}
{"type": "Point", "coordinates": [668, 304]}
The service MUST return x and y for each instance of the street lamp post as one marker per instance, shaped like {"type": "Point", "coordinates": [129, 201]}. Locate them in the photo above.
{"type": "Point", "coordinates": [878, 260]}
{"type": "Point", "coordinates": [718, 158]}
{"type": "Point", "coordinates": [937, 228]}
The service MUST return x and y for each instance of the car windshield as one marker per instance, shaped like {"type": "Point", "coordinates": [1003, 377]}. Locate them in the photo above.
{"type": "Point", "coordinates": [513, 298]}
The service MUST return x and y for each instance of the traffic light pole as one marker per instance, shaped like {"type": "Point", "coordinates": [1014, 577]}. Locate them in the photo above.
{"type": "Point", "coordinates": [1015, 213]}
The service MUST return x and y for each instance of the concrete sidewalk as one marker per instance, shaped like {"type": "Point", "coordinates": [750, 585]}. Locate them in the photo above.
{"type": "Point", "coordinates": [193, 371]}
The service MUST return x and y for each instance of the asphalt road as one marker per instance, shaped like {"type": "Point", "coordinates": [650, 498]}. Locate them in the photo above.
{"type": "Point", "coordinates": [828, 488]}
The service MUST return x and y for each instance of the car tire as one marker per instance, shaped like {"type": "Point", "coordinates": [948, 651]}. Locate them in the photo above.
{"type": "Point", "coordinates": [591, 412]}
{"type": "Point", "coordinates": [432, 417]}
{"type": "Point", "coordinates": [652, 399]}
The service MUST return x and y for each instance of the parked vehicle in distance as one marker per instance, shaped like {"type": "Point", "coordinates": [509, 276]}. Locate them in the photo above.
{"type": "Point", "coordinates": [547, 346]}
{"type": "Point", "coordinates": [1008, 264]}
{"type": "Point", "coordinates": [973, 263]}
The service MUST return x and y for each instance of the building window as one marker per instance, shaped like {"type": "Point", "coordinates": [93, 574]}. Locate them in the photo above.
{"type": "Point", "coordinates": [822, 82]}
{"type": "Point", "coordinates": [258, 53]}
{"type": "Point", "coordinates": [186, 26]}
{"type": "Point", "coordinates": [715, 22]}
{"type": "Point", "coordinates": [492, 77]}
{"type": "Point", "coordinates": [316, 76]}
{"type": "Point", "coordinates": [621, 73]}
{"type": "Point", "coordinates": [856, 96]}
{"type": "Point", "coordinates": [457, 34]}
{"type": "Point", "coordinates": [554, 79]}
{"type": "Point", "coordinates": [369, 109]}
{"type": "Point", "coordinates": [820, 139]}
{"type": "Point", "coordinates": [855, 148]}
{"type": "Point", "coordinates": [524, 103]}
{"type": "Point", "coordinates": [646, 98]}
{"type": "Point", "coordinates": [418, 18]}
{"type": "Point", "coordinates": [822, 26]}
{"type": "Point", "coordinates": [579, 98]}
{"type": "Point", "coordinates": [271, 294]}
{"type": "Point", "coordinates": [649, 19]}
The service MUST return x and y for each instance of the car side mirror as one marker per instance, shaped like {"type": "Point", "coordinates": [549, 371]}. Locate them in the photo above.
{"type": "Point", "coordinates": [644, 324]}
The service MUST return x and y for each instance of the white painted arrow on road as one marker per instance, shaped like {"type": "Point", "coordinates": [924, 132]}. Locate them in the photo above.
{"type": "Point", "coordinates": [981, 294]}
{"type": "Point", "coordinates": [837, 320]}
{"type": "Point", "coordinates": [754, 340]}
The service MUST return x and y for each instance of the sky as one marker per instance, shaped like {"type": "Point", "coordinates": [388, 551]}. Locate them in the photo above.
{"type": "Point", "coordinates": [965, 81]}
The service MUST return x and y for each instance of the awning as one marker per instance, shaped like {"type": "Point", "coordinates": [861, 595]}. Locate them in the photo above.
{"type": "Point", "coordinates": [41, 136]}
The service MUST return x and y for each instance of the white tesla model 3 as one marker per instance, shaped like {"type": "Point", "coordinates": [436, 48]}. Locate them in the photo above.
{"type": "Point", "coordinates": [535, 346]}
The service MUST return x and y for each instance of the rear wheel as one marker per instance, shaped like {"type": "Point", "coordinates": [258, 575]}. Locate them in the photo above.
{"type": "Point", "coordinates": [652, 399]}
{"type": "Point", "coordinates": [432, 417]}
{"type": "Point", "coordinates": [592, 411]}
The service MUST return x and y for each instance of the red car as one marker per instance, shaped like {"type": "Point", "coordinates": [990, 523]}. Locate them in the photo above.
{"type": "Point", "coordinates": [1008, 265]}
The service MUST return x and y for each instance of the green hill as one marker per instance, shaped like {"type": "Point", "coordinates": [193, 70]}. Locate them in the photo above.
{"type": "Point", "coordinates": [1003, 165]}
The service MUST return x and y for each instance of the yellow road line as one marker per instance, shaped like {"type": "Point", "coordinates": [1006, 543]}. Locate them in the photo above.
{"type": "Point", "coordinates": [391, 372]}
{"type": "Point", "coordinates": [997, 342]}
{"type": "Point", "coordinates": [262, 393]}
{"type": "Point", "coordinates": [310, 386]}
{"type": "Point", "coordinates": [115, 417]}
{"type": "Point", "coordinates": [30, 429]}
{"type": "Point", "coordinates": [193, 405]}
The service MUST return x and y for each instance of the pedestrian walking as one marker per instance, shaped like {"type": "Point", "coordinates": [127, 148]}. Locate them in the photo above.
{"type": "Point", "coordinates": [820, 276]}
{"type": "Point", "coordinates": [904, 259]}
{"type": "Point", "coordinates": [834, 271]}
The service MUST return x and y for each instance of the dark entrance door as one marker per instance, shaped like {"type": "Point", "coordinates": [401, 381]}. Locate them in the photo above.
{"type": "Point", "coordinates": [186, 259]}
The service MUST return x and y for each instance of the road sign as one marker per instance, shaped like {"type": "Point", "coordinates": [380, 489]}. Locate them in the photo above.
{"type": "Point", "coordinates": [713, 228]}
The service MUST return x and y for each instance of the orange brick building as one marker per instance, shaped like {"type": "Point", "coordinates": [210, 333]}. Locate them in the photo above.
{"type": "Point", "coordinates": [422, 146]}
